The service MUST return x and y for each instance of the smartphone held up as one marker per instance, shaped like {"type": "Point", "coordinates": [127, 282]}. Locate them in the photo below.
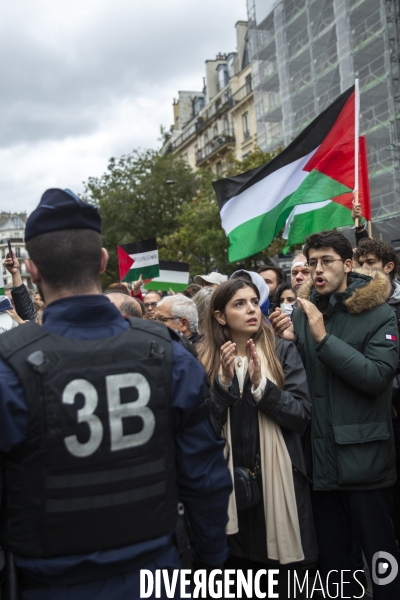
{"type": "Point", "coordinates": [10, 254]}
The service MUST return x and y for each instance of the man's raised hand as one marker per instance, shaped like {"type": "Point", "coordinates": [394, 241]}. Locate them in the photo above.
{"type": "Point", "coordinates": [282, 325]}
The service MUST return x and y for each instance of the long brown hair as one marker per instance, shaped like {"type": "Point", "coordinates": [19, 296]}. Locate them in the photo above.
{"type": "Point", "coordinates": [216, 335]}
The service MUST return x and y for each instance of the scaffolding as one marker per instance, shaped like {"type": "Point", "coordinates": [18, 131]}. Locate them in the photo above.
{"type": "Point", "coordinates": [304, 53]}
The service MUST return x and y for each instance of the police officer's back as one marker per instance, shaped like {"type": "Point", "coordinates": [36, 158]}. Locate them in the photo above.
{"type": "Point", "coordinates": [92, 429]}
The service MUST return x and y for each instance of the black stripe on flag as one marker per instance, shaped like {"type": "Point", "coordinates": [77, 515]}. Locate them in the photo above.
{"type": "Point", "coordinates": [309, 139]}
{"type": "Point", "coordinates": [140, 247]}
{"type": "Point", "coordinates": [169, 265]}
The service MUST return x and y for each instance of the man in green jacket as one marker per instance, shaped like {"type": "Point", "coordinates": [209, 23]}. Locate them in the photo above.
{"type": "Point", "coordinates": [347, 337]}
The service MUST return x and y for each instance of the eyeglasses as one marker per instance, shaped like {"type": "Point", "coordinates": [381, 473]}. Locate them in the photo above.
{"type": "Point", "coordinates": [164, 319]}
{"type": "Point", "coordinates": [150, 304]}
{"type": "Point", "coordinates": [326, 263]}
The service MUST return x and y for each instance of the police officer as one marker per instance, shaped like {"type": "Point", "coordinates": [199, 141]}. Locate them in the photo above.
{"type": "Point", "coordinates": [94, 435]}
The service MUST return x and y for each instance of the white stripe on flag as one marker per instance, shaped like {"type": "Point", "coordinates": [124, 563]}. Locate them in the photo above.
{"type": "Point", "coordinates": [264, 195]}
{"type": "Point", "coordinates": [145, 259]}
{"type": "Point", "coordinates": [172, 277]}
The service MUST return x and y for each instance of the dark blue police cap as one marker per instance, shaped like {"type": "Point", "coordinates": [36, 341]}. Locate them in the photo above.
{"type": "Point", "coordinates": [59, 210]}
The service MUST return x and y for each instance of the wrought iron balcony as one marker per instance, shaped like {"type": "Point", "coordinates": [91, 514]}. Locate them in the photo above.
{"type": "Point", "coordinates": [216, 143]}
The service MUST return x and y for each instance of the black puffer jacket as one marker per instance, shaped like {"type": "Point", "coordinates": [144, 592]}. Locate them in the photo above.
{"type": "Point", "coordinates": [23, 303]}
{"type": "Point", "coordinates": [291, 409]}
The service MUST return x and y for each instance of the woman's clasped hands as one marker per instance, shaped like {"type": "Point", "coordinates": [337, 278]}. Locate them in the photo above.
{"type": "Point", "coordinates": [227, 361]}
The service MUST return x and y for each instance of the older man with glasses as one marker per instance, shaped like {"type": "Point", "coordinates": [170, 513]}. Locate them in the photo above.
{"type": "Point", "coordinates": [180, 313]}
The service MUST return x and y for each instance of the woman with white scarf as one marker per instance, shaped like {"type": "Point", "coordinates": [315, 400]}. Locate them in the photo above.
{"type": "Point", "coordinates": [261, 391]}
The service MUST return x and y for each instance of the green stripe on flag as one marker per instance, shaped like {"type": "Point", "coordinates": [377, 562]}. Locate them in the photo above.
{"type": "Point", "coordinates": [328, 217]}
{"type": "Point", "coordinates": [165, 286]}
{"type": "Point", "coordinates": [256, 234]}
{"type": "Point", "coordinates": [316, 188]}
{"type": "Point", "coordinates": [146, 272]}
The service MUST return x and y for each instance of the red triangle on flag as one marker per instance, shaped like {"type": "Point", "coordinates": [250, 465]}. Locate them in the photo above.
{"type": "Point", "coordinates": [124, 262]}
{"type": "Point", "coordinates": [335, 156]}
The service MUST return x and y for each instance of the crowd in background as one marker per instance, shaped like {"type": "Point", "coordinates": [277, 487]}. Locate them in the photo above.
{"type": "Point", "coordinates": [277, 352]}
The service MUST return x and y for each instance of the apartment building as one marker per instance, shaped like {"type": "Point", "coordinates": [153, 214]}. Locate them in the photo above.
{"type": "Point", "coordinates": [219, 121]}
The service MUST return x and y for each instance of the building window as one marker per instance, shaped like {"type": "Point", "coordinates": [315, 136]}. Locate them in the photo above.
{"type": "Point", "coordinates": [215, 131]}
{"type": "Point", "coordinates": [17, 251]}
{"type": "Point", "coordinates": [245, 121]}
{"type": "Point", "coordinates": [218, 168]}
{"type": "Point", "coordinates": [197, 105]}
{"type": "Point", "coordinates": [223, 77]}
{"type": "Point", "coordinates": [226, 125]}
{"type": "Point", "coordinates": [248, 84]}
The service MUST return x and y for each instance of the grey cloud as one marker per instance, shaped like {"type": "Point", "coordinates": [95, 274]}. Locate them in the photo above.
{"type": "Point", "coordinates": [55, 90]}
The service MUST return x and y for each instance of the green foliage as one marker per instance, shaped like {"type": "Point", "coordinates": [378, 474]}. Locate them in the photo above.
{"type": "Point", "coordinates": [199, 238]}
{"type": "Point", "coordinates": [136, 202]}
{"type": "Point", "coordinates": [144, 195]}
{"type": "Point", "coordinates": [254, 159]}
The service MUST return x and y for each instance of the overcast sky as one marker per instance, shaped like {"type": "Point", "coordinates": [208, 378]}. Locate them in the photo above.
{"type": "Point", "coordinates": [84, 80]}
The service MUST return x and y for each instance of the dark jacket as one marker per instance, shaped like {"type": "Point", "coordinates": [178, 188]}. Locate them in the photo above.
{"type": "Point", "coordinates": [23, 303]}
{"type": "Point", "coordinates": [291, 409]}
{"type": "Point", "coordinates": [350, 374]}
{"type": "Point", "coordinates": [203, 479]}
{"type": "Point", "coordinates": [394, 303]}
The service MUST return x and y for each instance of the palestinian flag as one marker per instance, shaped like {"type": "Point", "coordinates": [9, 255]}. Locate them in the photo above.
{"type": "Point", "coordinates": [173, 275]}
{"type": "Point", "coordinates": [314, 217]}
{"type": "Point", "coordinates": [316, 167]}
{"type": "Point", "coordinates": [138, 258]}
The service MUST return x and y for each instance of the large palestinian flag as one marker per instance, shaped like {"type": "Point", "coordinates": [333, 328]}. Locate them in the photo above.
{"type": "Point", "coordinates": [138, 258]}
{"type": "Point", "coordinates": [173, 275]}
{"type": "Point", "coordinates": [318, 166]}
{"type": "Point", "coordinates": [314, 217]}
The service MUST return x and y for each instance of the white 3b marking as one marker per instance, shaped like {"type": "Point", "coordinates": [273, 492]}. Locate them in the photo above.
{"type": "Point", "coordinates": [116, 411]}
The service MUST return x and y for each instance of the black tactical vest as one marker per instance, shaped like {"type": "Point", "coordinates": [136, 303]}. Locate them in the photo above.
{"type": "Point", "coordinates": [97, 470]}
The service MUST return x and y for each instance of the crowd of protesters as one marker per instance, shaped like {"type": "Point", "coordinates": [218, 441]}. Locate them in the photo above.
{"type": "Point", "coordinates": [304, 384]}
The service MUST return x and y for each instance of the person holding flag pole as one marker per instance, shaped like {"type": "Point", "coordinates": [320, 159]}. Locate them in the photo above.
{"type": "Point", "coordinates": [356, 146]}
{"type": "Point", "coordinates": [357, 220]}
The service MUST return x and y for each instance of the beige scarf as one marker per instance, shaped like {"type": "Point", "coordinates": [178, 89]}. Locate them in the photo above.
{"type": "Point", "coordinates": [280, 509]}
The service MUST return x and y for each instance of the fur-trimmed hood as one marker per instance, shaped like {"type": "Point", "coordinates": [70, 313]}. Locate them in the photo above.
{"type": "Point", "coordinates": [366, 289]}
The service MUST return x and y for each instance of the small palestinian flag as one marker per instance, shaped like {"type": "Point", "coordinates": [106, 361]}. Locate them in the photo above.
{"type": "Point", "coordinates": [173, 275]}
{"type": "Point", "coordinates": [138, 258]}
{"type": "Point", "coordinates": [317, 167]}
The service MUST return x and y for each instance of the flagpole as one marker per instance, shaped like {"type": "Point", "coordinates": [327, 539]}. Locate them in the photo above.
{"type": "Point", "coordinates": [356, 144]}
{"type": "Point", "coordinates": [365, 183]}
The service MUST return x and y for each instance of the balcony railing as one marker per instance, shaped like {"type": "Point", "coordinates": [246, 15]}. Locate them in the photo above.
{"type": "Point", "coordinates": [242, 93]}
{"type": "Point", "coordinates": [215, 144]}
{"type": "Point", "coordinates": [182, 138]}
{"type": "Point", "coordinates": [220, 105]}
